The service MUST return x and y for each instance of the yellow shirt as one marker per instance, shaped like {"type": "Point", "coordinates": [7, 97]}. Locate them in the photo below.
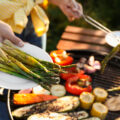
{"type": "Point", "coordinates": [15, 12]}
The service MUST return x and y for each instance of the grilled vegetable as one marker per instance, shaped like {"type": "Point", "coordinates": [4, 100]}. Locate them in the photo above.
{"type": "Point", "coordinates": [62, 104]}
{"type": "Point", "coordinates": [114, 89]}
{"type": "Point", "coordinates": [21, 112]}
{"type": "Point", "coordinates": [100, 94]}
{"type": "Point", "coordinates": [50, 116]}
{"type": "Point", "coordinates": [99, 110]}
{"type": "Point", "coordinates": [78, 84]}
{"type": "Point", "coordinates": [86, 100]}
{"type": "Point", "coordinates": [104, 62]}
{"type": "Point", "coordinates": [92, 118]}
{"type": "Point", "coordinates": [58, 90]}
{"type": "Point", "coordinates": [61, 57]}
{"type": "Point", "coordinates": [40, 90]}
{"type": "Point", "coordinates": [79, 115]}
{"type": "Point", "coordinates": [113, 103]}
{"type": "Point", "coordinates": [23, 99]}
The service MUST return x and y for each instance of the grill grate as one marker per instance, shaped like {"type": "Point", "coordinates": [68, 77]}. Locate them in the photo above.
{"type": "Point", "coordinates": [110, 77]}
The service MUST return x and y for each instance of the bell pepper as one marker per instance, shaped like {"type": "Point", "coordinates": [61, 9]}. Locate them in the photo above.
{"type": "Point", "coordinates": [66, 76]}
{"type": "Point", "coordinates": [61, 57]}
{"type": "Point", "coordinates": [76, 85]}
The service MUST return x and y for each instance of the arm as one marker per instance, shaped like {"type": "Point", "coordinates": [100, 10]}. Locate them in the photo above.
{"type": "Point", "coordinates": [7, 33]}
{"type": "Point", "coordinates": [71, 8]}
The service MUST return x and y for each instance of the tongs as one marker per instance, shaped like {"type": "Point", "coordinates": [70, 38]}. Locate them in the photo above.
{"type": "Point", "coordinates": [96, 24]}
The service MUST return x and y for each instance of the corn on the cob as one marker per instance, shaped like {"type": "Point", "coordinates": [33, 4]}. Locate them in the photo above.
{"type": "Point", "coordinates": [99, 110]}
{"type": "Point", "coordinates": [100, 94]}
{"type": "Point", "coordinates": [86, 100]}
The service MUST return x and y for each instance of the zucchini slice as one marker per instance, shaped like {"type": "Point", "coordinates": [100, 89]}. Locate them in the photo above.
{"type": "Point", "coordinates": [50, 116]}
{"type": "Point", "coordinates": [63, 104]}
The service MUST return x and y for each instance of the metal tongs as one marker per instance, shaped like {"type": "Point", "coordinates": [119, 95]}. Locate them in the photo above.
{"type": "Point", "coordinates": [96, 24]}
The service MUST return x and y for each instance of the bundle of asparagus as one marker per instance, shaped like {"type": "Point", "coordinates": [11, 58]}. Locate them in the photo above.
{"type": "Point", "coordinates": [16, 62]}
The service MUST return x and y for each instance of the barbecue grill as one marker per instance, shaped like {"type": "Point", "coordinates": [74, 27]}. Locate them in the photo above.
{"type": "Point", "coordinates": [110, 78]}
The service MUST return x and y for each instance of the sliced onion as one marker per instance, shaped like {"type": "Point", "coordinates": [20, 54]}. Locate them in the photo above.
{"type": "Point", "coordinates": [97, 65]}
{"type": "Point", "coordinates": [91, 60]}
{"type": "Point", "coordinates": [89, 69]}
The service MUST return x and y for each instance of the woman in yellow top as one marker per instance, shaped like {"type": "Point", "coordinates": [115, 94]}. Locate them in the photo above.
{"type": "Point", "coordinates": [71, 8]}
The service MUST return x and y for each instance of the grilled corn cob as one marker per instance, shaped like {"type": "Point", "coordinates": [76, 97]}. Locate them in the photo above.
{"type": "Point", "coordinates": [99, 110]}
{"type": "Point", "coordinates": [86, 100]}
{"type": "Point", "coordinates": [100, 94]}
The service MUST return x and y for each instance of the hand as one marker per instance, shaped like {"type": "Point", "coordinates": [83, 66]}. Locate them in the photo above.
{"type": "Point", "coordinates": [72, 9]}
{"type": "Point", "coordinates": [7, 33]}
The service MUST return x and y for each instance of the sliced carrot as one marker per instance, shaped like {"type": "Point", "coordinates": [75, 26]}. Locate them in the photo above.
{"type": "Point", "coordinates": [24, 99]}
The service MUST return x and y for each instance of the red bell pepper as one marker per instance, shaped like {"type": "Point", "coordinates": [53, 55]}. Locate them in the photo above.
{"type": "Point", "coordinates": [72, 85]}
{"type": "Point", "coordinates": [66, 76]}
{"type": "Point", "coordinates": [61, 57]}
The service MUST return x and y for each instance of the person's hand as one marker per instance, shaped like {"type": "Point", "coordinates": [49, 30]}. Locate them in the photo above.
{"type": "Point", "coordinates": [7, 33]}
{"type": "Point", "coordinates": [71, 8]}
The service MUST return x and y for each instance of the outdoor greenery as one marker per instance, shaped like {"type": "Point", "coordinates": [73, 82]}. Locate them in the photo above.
{"type": "Point", "coordinates": [106, 12]}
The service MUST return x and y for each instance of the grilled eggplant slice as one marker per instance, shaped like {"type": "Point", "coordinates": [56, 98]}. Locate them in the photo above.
{"type": "Point", "coordinates": [63, 104]}
{"type": "Point", "coordinates": [50, 116]}
{"type": "Point", "coordinates": [79, 115]}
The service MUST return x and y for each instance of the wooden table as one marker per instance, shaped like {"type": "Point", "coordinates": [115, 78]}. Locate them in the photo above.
{"type": "Point", "coordinates": [82, 38]}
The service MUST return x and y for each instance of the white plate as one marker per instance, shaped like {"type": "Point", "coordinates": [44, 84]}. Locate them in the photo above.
{"type": "Point", "coordinates": [15, 83]}
{"type": "Point", "coordinates": [111, 38]}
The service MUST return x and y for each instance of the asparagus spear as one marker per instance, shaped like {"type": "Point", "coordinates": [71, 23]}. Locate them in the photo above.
{"type": "Point", "coordinates": [22, 76]}
{"type": "Point", "coordinates": [104, 62]}
{"type": "Point", "coordinates": [19, 66]}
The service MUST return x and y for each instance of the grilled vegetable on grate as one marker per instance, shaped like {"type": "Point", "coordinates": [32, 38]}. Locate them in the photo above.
{"type": "Point", "coordinates": [50, 116]}
{"type": "Point", "coordinates": [86, 100]}
{"type": "Point", "coordinates": [63, 104]}
{"type": "Point", "coordinates": [24, 99]}
{"type": "Point", "coordinates": [99, 110]}
{"type": "Point", "coordinates": [113, 103]}
{"type": "Point", "coordinates": [58, 90]}
{"type": "Point", "coordinates": [100, 94]}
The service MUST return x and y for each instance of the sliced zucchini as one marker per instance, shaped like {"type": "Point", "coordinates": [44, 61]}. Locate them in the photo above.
{"type": "Point", "coordinates": [50, 116]}
{"type": "Point", "coordinates": [58, 90]}
{"type": "Point", "coordinates": [64, 104]}
{"type": "Point", "coordinates": [18, 113]}
{"type": "Point", "coordinates": [92, 118]}
{"type": "Point", "coordinates": [79, 115]}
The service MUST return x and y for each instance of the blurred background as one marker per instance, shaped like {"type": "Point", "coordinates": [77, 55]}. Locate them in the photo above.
{"type": "Point", "coordinates": [106, 12]}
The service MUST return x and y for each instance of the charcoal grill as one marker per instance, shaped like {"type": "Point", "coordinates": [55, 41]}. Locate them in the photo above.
{"type": "Point", "coordinates": [110, 77]}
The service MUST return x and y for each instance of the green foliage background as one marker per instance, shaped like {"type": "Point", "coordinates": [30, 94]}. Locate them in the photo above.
{"type": "Point", "coordinates": [106, 12]}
